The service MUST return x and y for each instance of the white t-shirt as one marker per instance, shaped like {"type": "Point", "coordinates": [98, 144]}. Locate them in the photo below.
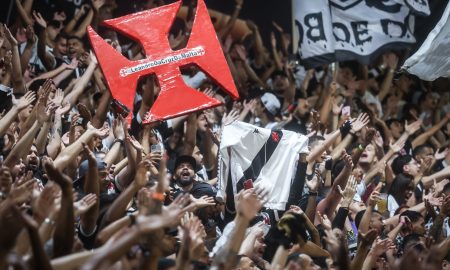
{"type": "Point", "coordinates": [392, 205]}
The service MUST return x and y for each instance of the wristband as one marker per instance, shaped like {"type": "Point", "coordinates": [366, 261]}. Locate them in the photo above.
{"type": "Point", "coordinates": [345, 128]}
{"type": "Point", "coordinates": [311, 193]}
{"type": "Point", "coordinates": [158, 197]}
{"type": "Point", "coordinates": [118, 140]}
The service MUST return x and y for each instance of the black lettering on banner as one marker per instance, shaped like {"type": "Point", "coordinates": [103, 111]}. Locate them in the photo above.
{"type": "Point", "coordinates": [359, 30]}
{"type": "Point", "coordinates": [341, 33]}
{"type": "Point", "coordinates": [393, 28]}
{"type": "Point", "coordinates": [315, 31]}
{"type": "Point", "coordinates": [381, 5]}
{"type": "Point", "coordinates": [300, 33]}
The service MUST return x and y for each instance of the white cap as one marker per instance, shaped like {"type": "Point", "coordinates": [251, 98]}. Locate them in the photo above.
{"type": "Point", "coordinates": [271, 103]}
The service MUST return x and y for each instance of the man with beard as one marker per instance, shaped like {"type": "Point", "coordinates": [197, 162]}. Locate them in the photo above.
{"type": "Point", "coordinates": [300, 116]}
{"type": "Point", "coordinates": [184, 176]}
{"type": "Point", "coordinates": [33, 163]}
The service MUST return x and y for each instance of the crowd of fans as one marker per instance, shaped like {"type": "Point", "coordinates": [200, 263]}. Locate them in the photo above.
{"type": "Point", "coordinates": [81, 188]}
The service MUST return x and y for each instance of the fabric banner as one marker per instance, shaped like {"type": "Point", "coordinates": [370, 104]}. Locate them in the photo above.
{"type": "Point", "coordinates": [432, 59]}
{"type": "Point", "coordinates": [338, 30]}
{"type": "Point", "coordinates": [268, 157]}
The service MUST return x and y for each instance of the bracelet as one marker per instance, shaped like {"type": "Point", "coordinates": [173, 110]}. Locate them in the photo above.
{"type": "Point", "coordinates": [360, 147]}
{"type": "Point", "coordinates": [158, 197]}
{"type": "Point", "coordinates": [49, 221]}
{"type": "Point", "coordinates": [118, 140]}
{"type": "Point", "coordinates": [311, 193]}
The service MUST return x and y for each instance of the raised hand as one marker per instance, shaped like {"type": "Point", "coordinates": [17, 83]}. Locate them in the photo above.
{"type": "Point", "coordinates": [22, 189]}
{"type": "Point", "coordinates": [441, 155]}
{"type": "Point", "coordinates": [349, 191]}
{"type": "Point", "coordinates": [119, 129]}
{"type": "Point", "coordinates": [45, 203]}
{"type": "Point", "coordinates": [249, 202]}
{"type": "Point", "coordinates": [45, 115]}
{"type": "Point", "coordinates": [439, 187]}
{"type": "Point", "coordinates": [361, 121]}
{"type": "Point", "coordinates": [347, 159]}
{"type": "Point", "coordinates": [59, 178]}
{"type": "Point", "coordinates": [368, 237]}
{"type": "Point", "coordinates": [378, 139]}
{"type": "Point", "coordinates": [101, 132]}
{"type": "Point", "coordinates": [314, 184]}
{"type": "Point", "coordinates": [397, 146]}
{"type": "Point", "coordinates": [87, 202]}
{"type": "Point", "coordinates": [59, 16]}
{"type": "Point", "coordinates": [9, 36]}
{"type": "Point", "coordinates": [229, 118]}
{"type": "Point", "coordinates": [413, 127]}
{"type": "Point", "coordinates": [325, 221]}
{"type": "Point", "coordinates": [24, 101]}
{"type": "Point", "coordinates": [39, 19]}
{"type": "Point", "coordinates": [72, 65]}
{"type": "Point", "coordinates": [381, 246]}
{"type": "Point", "coordinates": [58, 98]}
{"type": "Point", "coordinates": [135, 144]}
{"type": "Point", "coordinates": [374, 198]}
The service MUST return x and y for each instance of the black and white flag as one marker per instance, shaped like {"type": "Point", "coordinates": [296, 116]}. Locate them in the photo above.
{"type": "Point", "coordinates": [338, 30]}
{"type": "Point", "coordinates": [268, 157]}
{"type": "Point", "coordinates": [432, 59]}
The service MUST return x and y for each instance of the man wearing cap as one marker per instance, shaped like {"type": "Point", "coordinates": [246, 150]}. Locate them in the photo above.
{"type": "Point", "coordinates": [94, 178]}
{"type": "Point", "coordinates": [184, 176]}
{"type": "Point", "coordinates": [266, 109]}
{"type": "Point", "coordinates": [300, 116]}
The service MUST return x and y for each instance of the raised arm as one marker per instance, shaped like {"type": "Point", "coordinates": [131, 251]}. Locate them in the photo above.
{"type": "Point", "coordinates": [81, 31]}
{"type": "Point", "coordinates": [18, 105]}
{"type": "Point", "coordinates": [91, 185]}
{"type": "Point", "coordinates": [63, 237]}
{"type": "Point", "coordinates": [47, 58]}
{"type": "Point", "coordinates": [422, 138]}
{"type": "Point", "coordinates": [247, 206]}
{"type": "Point", "coordinates": [230, 24]}
{"type": "Point", "coordinates": [71, 152]}
{"type": "Point", "coordinates": [17, 78]}
{"type": "Point", "coordinates": [78, 89]}
{"type": "Point", "coordinates": [391, 60]}
{"type": "Point", "coordinates": [24, 14]}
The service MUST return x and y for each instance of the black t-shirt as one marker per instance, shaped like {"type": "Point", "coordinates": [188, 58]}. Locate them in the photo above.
{"type": "Point", "coordinates": [296, 126]}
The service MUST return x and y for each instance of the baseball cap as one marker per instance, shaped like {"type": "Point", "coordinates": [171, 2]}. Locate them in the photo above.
{"type": "Point", "coordinates": [271, 103]}
{"type": "Point", "coordinates": [200, 189]}
{"type": "Point", "coordinates": [84, 167]}
{"type": "Point", "coordinates": [185, 158]}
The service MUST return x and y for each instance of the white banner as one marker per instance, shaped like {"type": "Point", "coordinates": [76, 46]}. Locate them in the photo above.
{"type": "Point", "coordinates": [337, 30]}
{"type": "Point", "coordinates": [432, 60]}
